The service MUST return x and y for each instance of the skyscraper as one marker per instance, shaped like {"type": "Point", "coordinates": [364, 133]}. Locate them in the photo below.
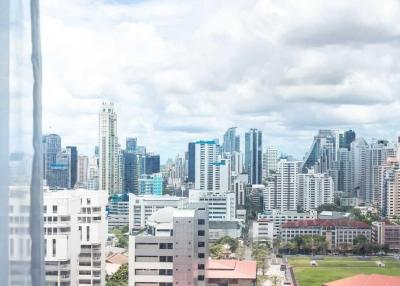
{"type": "Point", "coordinates": [359, 159]}
{"type": "Point", "coordinates": [51, 147]}
{"type": "Point", "coordinates": [347, 138]}
{"type": "Point", "coordinates": [231, 141]}
{"type": "Point", "coordinates": [270, 161]}
{"type": "Point", "coordinates": [109, 155]}
{"type": "Point", "coordinates": [130, 174]}
{"type": "Point", "coordinates": [314, 190]}
{"type": "Point", "coordinates": [191, 162]}
{"type": "Point", "coordinates": [152, 164]}
{"type": "Point", "coordinates": [131, 145]}
{"type": "Point", "coordinates": [206, 153]}
{"type": "Point", "coordinates": [83, 165]}
{"type": "Point", "coordinates": [73, 165]}
{"type": "Point", "coordinates": [253, 155]}
{"type": "Point", "coordinates": [58, 173]}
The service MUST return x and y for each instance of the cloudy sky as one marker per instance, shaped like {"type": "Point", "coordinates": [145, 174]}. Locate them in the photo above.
{"type": "Point", "coordinates": [183, 70]}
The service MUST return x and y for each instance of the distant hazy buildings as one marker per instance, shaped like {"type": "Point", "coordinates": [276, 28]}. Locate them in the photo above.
{"type": "Point", "coordinates": [253, 155]}
{"type": "Point", "coordinates": [109, 154]}
{"type": "Point", "coordinates": [151, 184]}
{"type": "Point", "coordinates": [152, 164]}
{"type": "Point", "coordinates": [83, 171]}
{"type": "Point", "coordinates": [51, 147]}
{"type": "Point", "coordinates": [270, 161]}
{"type": "Point", "coordinates": [231, 141]}
{"type": "Point", "coordinates": [191, 162]}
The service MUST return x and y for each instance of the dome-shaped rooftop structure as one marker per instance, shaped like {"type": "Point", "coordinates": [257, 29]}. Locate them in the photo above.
{"type": "Point", "coordinates": [164, 215]}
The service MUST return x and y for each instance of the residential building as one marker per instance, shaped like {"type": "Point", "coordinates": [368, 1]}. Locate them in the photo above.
{"type": "Point", "coordinates": [118, 211]}
{"type": "Point", "coordinates": [359, 161]}
{"type": "Point", "coordinates": [191, 162]}
{"type": "Point", "coordinates": [221, 204]}
{"type": "Point", "coordinates": [93, 174]}
{"type": "Point", "coordinates": [253, 156]}
{"type": "Point", "coordinates": [240, 183]}
{"type": "Point", "coordinates": [142, 207]}
{"type": "Point", "coordinates": [336, 231]}
{"type": "Point", "coordinates": [151, 184]}
{"type": "Point", "coordinates": [83, 170]}
{"type": "Point", "coordinates": [386, 232]}
{"type": "Point", "coordinates": [231, 272]}
{"type": "Point", "coordinates": [109, 150]}
{"type": "Point", "coordinates": [206, 153]}
{"type": "Point", "coordinates": [314, 190]}
{"type": "Point", "coordinates": [388, 199]}
{"type": "Point", "coordinates": [173, 249]}
{"type": "Point", "coordinates": [75, 229]}
{"type": "Point", "coordinates": [282, 188]}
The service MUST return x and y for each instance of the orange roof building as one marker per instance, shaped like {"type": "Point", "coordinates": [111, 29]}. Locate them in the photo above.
{"type": "Point", "coordinates": [233, 272]}
{"type": "Point", "coordinates": [367, 280]}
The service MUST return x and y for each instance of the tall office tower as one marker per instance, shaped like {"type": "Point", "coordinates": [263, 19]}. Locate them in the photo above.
{"type": "Point", "coordinates": [152, 164]}
{"type": "Point", "coordinates": [129, 172]}
{"type": "Point", "coordinates": [323, 151]}
{"type": "Point", "coordinates": [345, 174]}
{"type": "Point", "coordinates": [93, 174]}
{"type": "Point", "coordinates": [141, 150]}
{"type": "Point", "coordinates": [270, 161]}
{"type": "Point", "coordinates": [346, 138]}
{"type": "Point", "coordinates": [231, 141]}
{"type": "Point", "coordinates": [236, 163]}
{"type": "Point", "coordinates": [58, 173]}
{"type": "Point", "coordinates": [75, 229]}
{"type": "Point", "coordinates": [51, 147]}
{"type": "Point", "coordinates": [191, 162]}
{"type": "Point", "coordinates": [109, 167]}
{"type": "Point", "coordinates": [83, 169]}
{"type": "Point", "coordinates": [314, 190]}
{"type": "Point", "coordinates": [253, 156]}
{"type": "Point", "coordinates": [173, 249]}
{"type": "Point", "coordinates": [389, 192]}
{"type": "Point", "coordinates": [358, 158]}
{"type": "Point", "coordinates": [282, 189]}
{"type": "Point", "coordinates": [378, 152]}
{"type": "Point", "coordinates": [206, 153]}
{"type": "Point", "coordinates": [73, 165]}
{"type": "Point", "coordinates": [151, 184]}
{"type": "Point", "coordinates": [131, 145]}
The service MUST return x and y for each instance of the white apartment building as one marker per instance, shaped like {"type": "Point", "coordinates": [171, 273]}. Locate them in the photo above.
{"type": "Point", "coordinates": [173, 249]}
{"type": "Point", "coordinates": [93, 174]}
{"type": "Point", "coordinates": [75, 229]}
{"type": "Point", "coordinates": [278, 217]}
{"type": "Point", "coordinates": [221, 175]}
{"type": "Point", "coordinates": [206, 153]}
{"type": "Point", "coordinates": [109, 150]}
{"type": "Point", "coordinates": [118, 213]}
{"type": "Point", "coordinates": [315, 190]}
{"type": "Point", "coordinates": [282, 188]}
{"type": "Point", "coordinates": [270, 161]}
{"type": "Point", "coordinates": [143, 206]}
{"type": "Point", "coordinates": [221, 204]}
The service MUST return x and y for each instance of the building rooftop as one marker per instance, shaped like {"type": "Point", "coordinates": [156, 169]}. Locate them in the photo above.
{"type": "Point", "coordinates": [366, 280]}
{"type": "Point", "coordinates": [231, 269]}
{"type": "Point", "coordinates": [326, 223]}
{"type": "Point", "coordinates": [164, 215]}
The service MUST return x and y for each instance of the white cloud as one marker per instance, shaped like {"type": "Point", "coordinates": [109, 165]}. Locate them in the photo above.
{"type": "Point", "coordinates": [183, 70]}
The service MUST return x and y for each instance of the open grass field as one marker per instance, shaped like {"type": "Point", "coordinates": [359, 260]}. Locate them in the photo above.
{"type": "Point", "coordinates": [334, 268]}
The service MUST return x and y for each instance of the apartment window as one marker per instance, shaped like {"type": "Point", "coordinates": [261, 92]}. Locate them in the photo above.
{"type": "Point", "coordinates": [201, 233]}
{"type": "Point", "coordinates": [166, 246]}
{"type": "Point", "coordinates": [201, 244]}
{"type": "Point", "coordinates": [88, 201]}
{"type": "Point", "coordinates": [200, 266]}
{"type": "Point", "coordinates": [166, 258]}
{"type": "Point", "coordinates": [87, 233]}
{"type": "Point", "coordinates": [200, 278]}
{"type": "Point", "coordinates": [54, 248]}
{"type": "Point", "coordinates": [201, 255]}
{"type": "Point", "coordinates": [80, 231]}
{"type": "Point", "coordinates": [201, 222]}
{"type": "Point", "coordinates": [44, 209]}
{"type": "Point", "coordinates": [54, 209]}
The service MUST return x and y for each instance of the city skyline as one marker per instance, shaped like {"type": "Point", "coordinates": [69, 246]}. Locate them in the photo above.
{"type": "Point", "coordinates": [283, 77]}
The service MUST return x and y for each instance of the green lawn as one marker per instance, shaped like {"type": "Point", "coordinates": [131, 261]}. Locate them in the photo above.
{"type": "Point", "coordinates": [334, 268]}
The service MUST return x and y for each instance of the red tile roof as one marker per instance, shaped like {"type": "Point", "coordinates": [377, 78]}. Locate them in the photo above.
{"type": "Point", "coordinates": [325, 223]}
{"type": "Point", "coordinates": [117, 258]}
{"type": "Point", "coordinates": [232, 269]}
{"type": "Point", "coordinates": [367, 280]}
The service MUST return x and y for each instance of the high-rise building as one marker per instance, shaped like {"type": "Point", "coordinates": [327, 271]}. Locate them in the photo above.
{"type": "Point", "coordinates": [73, 165]}
{"type": "Point", "coordinates": [191, 162]}
{"type": "Point", "coordinates": [129, 172]}
{"type": "Point", "coordinates": [131, 145]}
{"type": "Point", "coordinates": [347, 138]}
{"type": "Point", "coordinates": [152, 164]}
{"type": "Point", "coordinates": [173, 249]}
{"type": "Point", "coordinates": [58, 173]}
{"type": "Point", "coordinates": [344, 186]}
{"type": "Point", "coordinates": [109, 151]}
{"type": "Point", "coordinates": [388, 199]}
{"type": "Point", "coordinates": [314, 190]}
{"type": "Point", "coordinates": [270, 161]}
{"type": "Point", "coordinates": [83, 169]}
{"type": "Point", "coordinates": [206, 153]}
{"type": "Point", "coordinates": [51, 147]}
{"type": "Point", "coordinates": [93, 174]}
{"type": "Point", "coordinates": [359, 161]}
{"type": "Point", "coordinates": [75, 229]}
{"type": "Point", "coordinates": [253, 156]}
{"type": "Point", "coordinates": [231, 141]}
{"type": "Point", "coordinates": [151, 184]}
{"type": "Point", "coordinates": [282, 189]}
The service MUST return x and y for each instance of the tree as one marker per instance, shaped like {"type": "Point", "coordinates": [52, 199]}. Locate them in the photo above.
{"type": "Point", "coordinates": [122, 237]}
{"type": "Point", "coordinates": [360, 244]}
{"type": "Point", "coordinates": [259, 253]}
{"type": "Point", "coordinates": [217, 251]}
{"type": "Point", "coordinates": [233, 243]}
{"type": "Point", "coordinates": [119, 278]}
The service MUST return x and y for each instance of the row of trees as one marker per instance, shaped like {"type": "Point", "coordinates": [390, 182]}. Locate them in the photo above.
{"type": "Point", "coordinates": [311, 245]}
